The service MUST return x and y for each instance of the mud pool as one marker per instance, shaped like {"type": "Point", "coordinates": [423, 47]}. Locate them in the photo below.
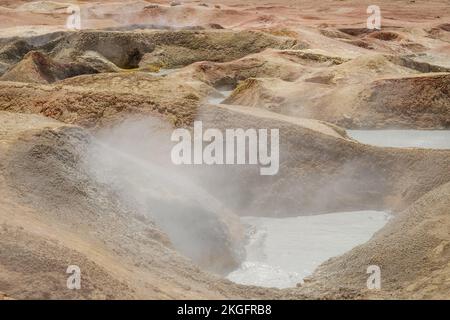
{"type": "Point", "coordinates": [280, 252]}
{"type": "Point", "coordinates": [218, 100]}
{"type": "Point", "coordinates": [430, 139]}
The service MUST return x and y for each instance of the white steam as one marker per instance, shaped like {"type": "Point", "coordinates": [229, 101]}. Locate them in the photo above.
{"type": "Point", "coordinates": [133, 158]}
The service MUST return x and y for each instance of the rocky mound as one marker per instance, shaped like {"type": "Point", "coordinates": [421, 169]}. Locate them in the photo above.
{"type": "Point", "coordinates": [98, 62]}
{"type": "Point", "coordinates": [422, 100]}
{"type": "Point", "coordinates": [211, 46]}
{"type": "Point", "coordinates": [140, 228]}
{"type": "Point", "coordinates": [346, 95]}
{"type": "Point", "coordinates": [421, 63]}
{"type": "Point", "coordinates": [166, 48]}
{"type": "Point", "coordinates": [388, 40]}
{"type": "Point", "coordinates": [12, 52]}
{"type": "Point", "coordinates": [287, 65]}
{"type": "Point", "coordinates": [36, 67]}
{"type": "Point", "coordinates": [361, 175]}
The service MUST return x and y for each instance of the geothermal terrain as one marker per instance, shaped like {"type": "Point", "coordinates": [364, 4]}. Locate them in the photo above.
{"type": "Point", "coordinates": [86, 179]}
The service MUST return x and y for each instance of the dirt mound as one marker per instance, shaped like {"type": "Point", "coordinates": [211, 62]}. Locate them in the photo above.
{"type": "Point", "coordinates": [36, 67]}
{"type": "Point", "coordinates": [377, 180]}
{"type": "Point", "coordinates": [287, 65]}
{"type": "Point", "coordinates": [257, 92]}
{"type": "Point", "coordinates": [93, 100]}
{"type": "Point", "coordinates": [414, 62]}
{"type": "Point", "coordinates": [166, 48]}
{"type": "Point", "coordinates": [422, 100]}
{"type": "Point", "coordinates": [321, 170]}
{"type": "Point", "coordinates": [355, 31]}
{"type": "Point", "coordinates": [136, 228]}
{"type": "Point", "coordinates": [146, 26]}
{"type": "Point", "coordinates": [364, 69]}
{"type": "Point", "coordinates": [97, 62]}
{"type": "Point", "coordinates": [13, 49]}
{"type": "Point", "coordinates": [346, 94]}
{"type": "Point", "coordinates": [12, 53]}
{"type": "Point", "coordinates": [393, 40]}
{"type": "Point", "coordinates": [412, 252]}
{"type": "Point", "coordinates": [184, 210]}
{"type": "Point", "coordinates": [121, 48]}
{"type": "Point", "coordinates": [440, 32]}
{"type": "Point", "coordinates": [220, 46]}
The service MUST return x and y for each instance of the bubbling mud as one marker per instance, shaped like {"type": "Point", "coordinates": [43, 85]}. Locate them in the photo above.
{"type": "Point", "coordinates": [282, 252]}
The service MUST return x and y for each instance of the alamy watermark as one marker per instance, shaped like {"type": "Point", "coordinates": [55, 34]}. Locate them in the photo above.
{"type": "Point", "coordinates": [234, 146]}
{"type": "Point", "coordinates": [374, 280]}
{"type": "Point", "coordinates": [374, 20]}
{"type": "Point", "coordinates": [74, 280]}
{"type": "Point", "coordinates": [74, 20]}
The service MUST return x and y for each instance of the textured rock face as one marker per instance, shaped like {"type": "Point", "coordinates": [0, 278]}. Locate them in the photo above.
{"type": "Point", "coordinates": [287, 65]}
{"type": "Point", "coordinates": [422, 101]}
{"type": "Point", "coordinates": [93, 101]}
{"type": "Point", "coordinates": [36, 67]}
{"type": "Point", "coordinates": [352, 175]}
